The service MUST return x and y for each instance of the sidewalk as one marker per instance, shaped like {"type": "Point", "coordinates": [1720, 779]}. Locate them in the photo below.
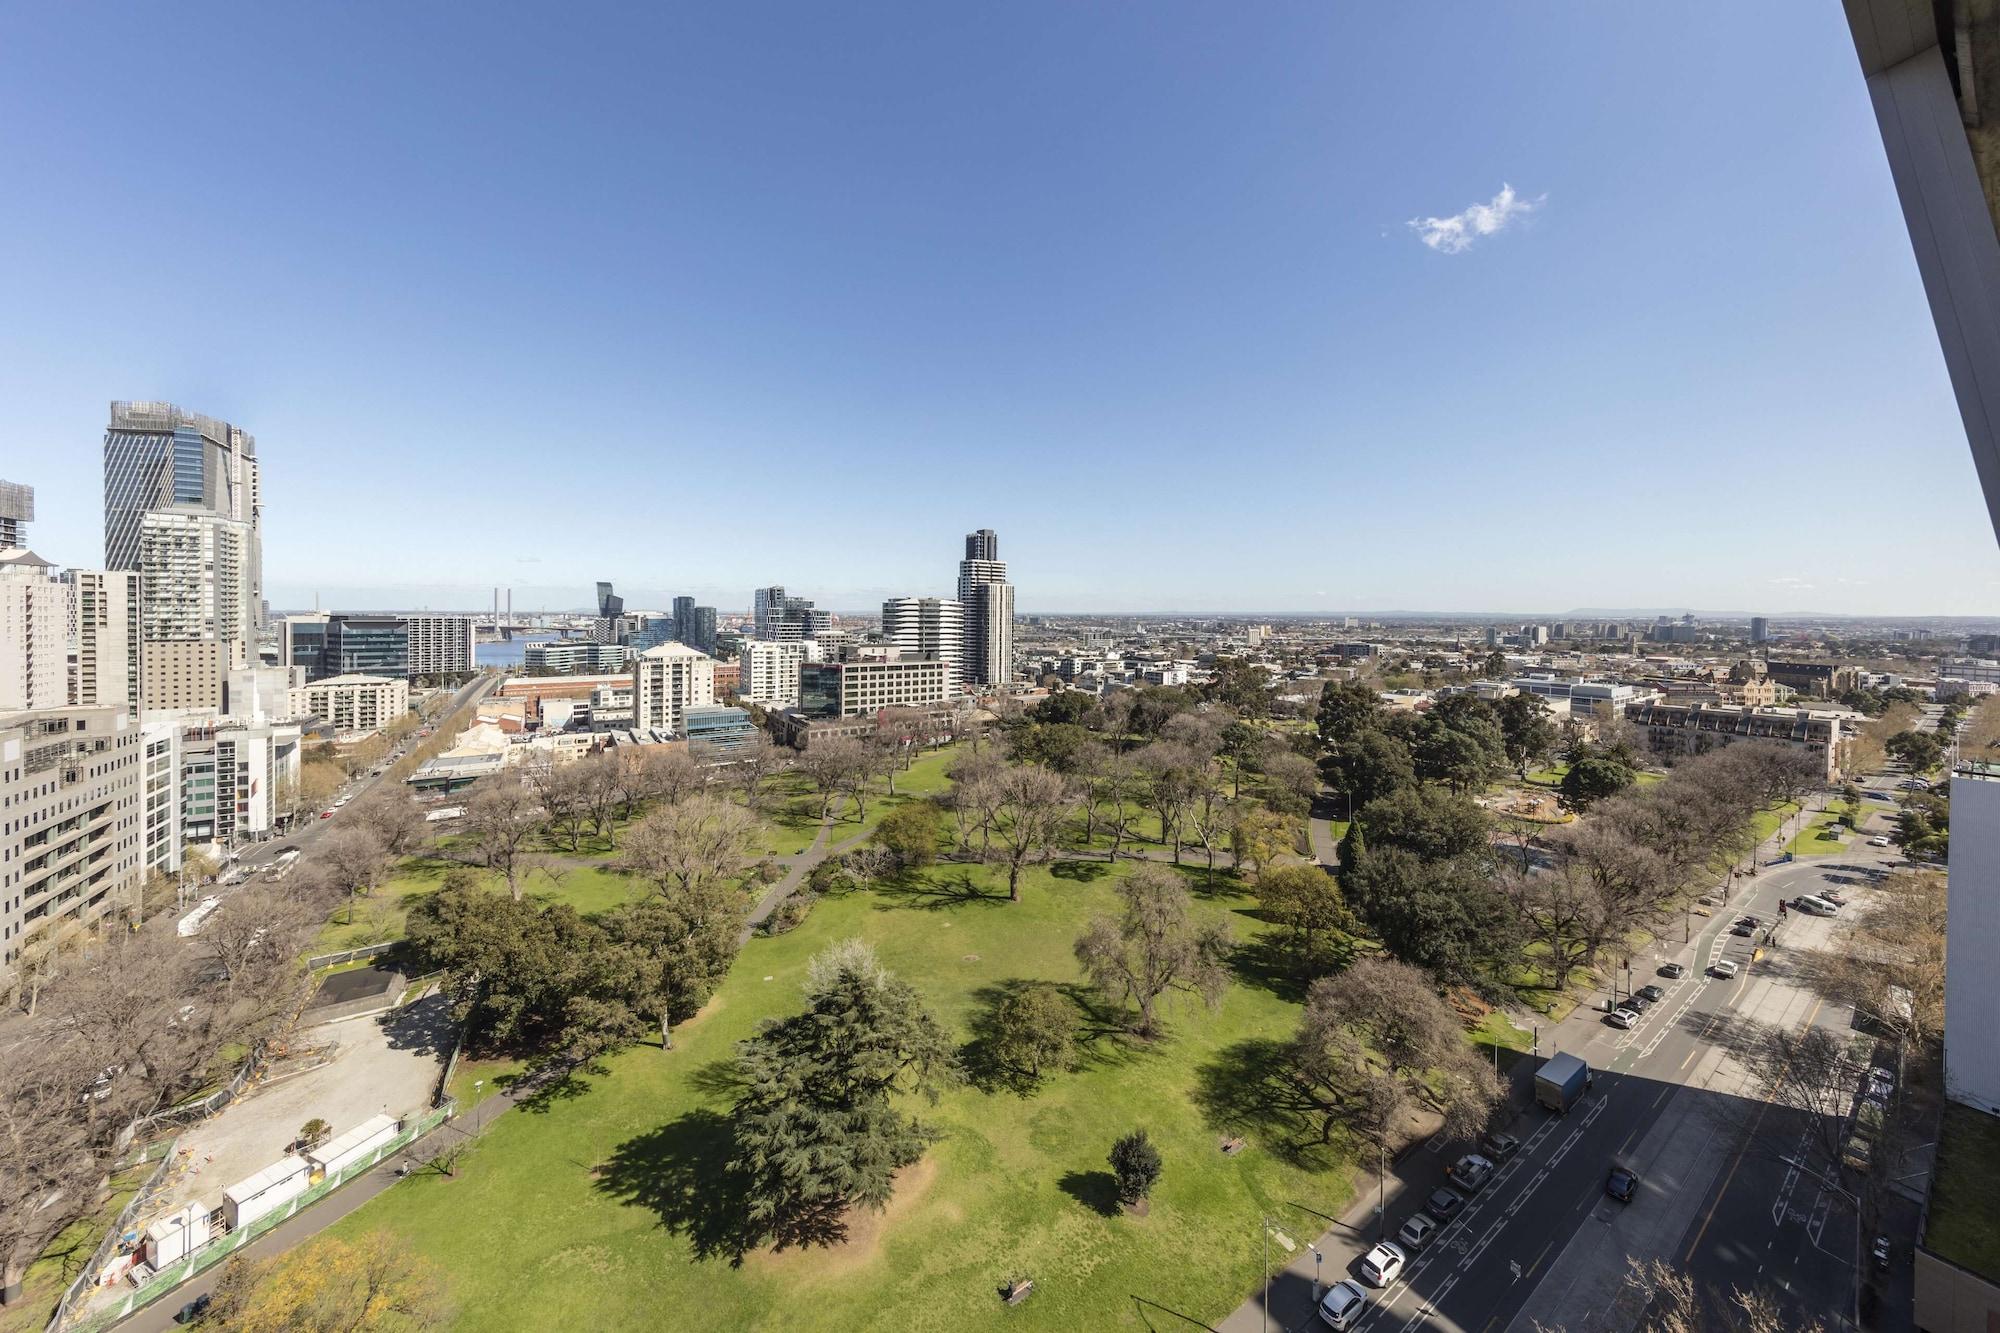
{"type": "Point", "coordinates": [1416, 1171]}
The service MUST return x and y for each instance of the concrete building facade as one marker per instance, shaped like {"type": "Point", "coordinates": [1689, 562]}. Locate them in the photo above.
{"type": "Point", "coordinates": [768, 671]}
{"type": "Point", "coordinates": [34, 632]}
{"type": "Point", "coordinates": [1697, 728]}
{"type": "Point", "coordinates": [356, 707]}
{"type": "Point", "coordinates": [104, 640]}
{"type": "Point", "coordinates": [70, 822]}
{"type": "Point", "coordinates": [867, 684]}
{"type": "Point", "coordinates": [934, 625]}
{"type": "Point", "coordinates": [440, 645]}
{"type": "Point", "coordinates": [666, 682]}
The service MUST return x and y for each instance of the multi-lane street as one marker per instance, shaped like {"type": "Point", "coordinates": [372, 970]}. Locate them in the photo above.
{"type": "Point", "coordinates": [1672, 1102]}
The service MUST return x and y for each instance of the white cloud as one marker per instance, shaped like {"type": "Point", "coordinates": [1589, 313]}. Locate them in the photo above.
{"type": "Point", "coordinates": [1455, 234]}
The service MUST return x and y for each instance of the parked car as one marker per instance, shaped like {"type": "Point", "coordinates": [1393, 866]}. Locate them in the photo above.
{"type": "Point", "coordinates": [1621, 1184]}
{"type": "Point", "coordinates": [1725, 969]}
{"type": "Point", "coordinates": [194, 1311]}
{"type": "Point", "coordinates": [1651, 994]}
{"type": "Point", "coordinates": [326, 814]}
{"type": "Point", "coordinates": [1834, 896]}
{"type": "Point", "coordinates": [1499, 1147]}
{"type": "Point", "coordinates": [1380, 1265]}
{"type": "Point", "coordinates": [1621, 1018]}
{"type": "Point", "coordinates": [1857, 1153]}
{"type": "Point", "coordinates": [1471, 1172]}
{"type": "Point", "coordinates": [1636, 1002]}
{"type": "Point", "coordinates": [1881, 1082]}
{"type": "Point", "coordinates": [1673, 971]}
{"type": "Point", "coordinates": [1342, 1305]}
{"type": "Point", "coordinates": [1878, 842]}
{"type": "Point", "coordinates": [1882, 1251]}
{"type": "Point", "coordinates": [1444, 1203]}
{"type": "Point", "coordinates": [1417, 1230]}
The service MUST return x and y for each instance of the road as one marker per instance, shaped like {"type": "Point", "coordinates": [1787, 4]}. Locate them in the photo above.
{"type": "Point", "coordinates": [258, 857]}
{"type": "Point", "coordinates": [1544, 1242]}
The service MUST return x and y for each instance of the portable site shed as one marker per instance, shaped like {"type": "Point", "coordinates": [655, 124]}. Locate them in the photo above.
{"type": "Point", "coordinates": [176, 1235]}
{"type": "Point", "coordinates": [274, 1186]}
{"type": "Point", "coordinates": [343, 1150]}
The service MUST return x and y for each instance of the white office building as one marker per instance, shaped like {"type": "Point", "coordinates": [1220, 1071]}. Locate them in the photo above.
{"type": "Point", "coordinates": [933, 625]}
{"type": "Point", "coordinates": [868, 681]}
{"type": "Point", "coordinates": [160, 794]}
{"type": "Point", "coordinates": [196, 616]}
{"type": "Point", "coordinates": [440, 645]}
{"type": "Point", "coordinates": [666, 682]}
{"type": "Point", "coordinates": [770, 671]}
{"type": "Point", "coordinates": [236, 779]}
{"type": "Point", "coordinates": [356, 707]}
{"type": "Point", "coordinates": [574, 657]}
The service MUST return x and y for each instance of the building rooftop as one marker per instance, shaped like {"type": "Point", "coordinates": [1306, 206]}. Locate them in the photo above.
{"type": "Point", "coordinates": [1963, 1221]}
{"type": "Point", "coordinates": [357, 679]}
{"type": "Point", "coordinates": [673, 649]}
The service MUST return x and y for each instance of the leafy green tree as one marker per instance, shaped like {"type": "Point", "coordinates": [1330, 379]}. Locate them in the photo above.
{"type": "Point", "coordinates": [1526, 730]}
{"type": "Point", "coordinates": [1371, 765]}
{"type": "Point", "coordinates": [1136, 1164]}
{"type": "Point", "coordinates": [1063, 708]}
{"type": "Point", "coordinates": [911, 833]}
{"type": "Point", "coordinates": [1922, 751]}
{"type": "Point", "coordinates": [1448, 917]}
{"type": "Point", "coordinates": [817, 1131]}
{"type": "Point", "coordinates": [1495, 665]}
{"type": "Point", "coordinates": [1035, 1030]}
{"type": "Point", "coordinates": [1353, 846]}
{"type": "Point", "coordinates": [1923, 826]}
{"type": "Point", "coordinates": [1431, 824]}
{"type": "Point", "coordinates": [1346, 709]}
{"type": "Point", "coordinates": [1306, 901]}
{"type": "Point", "coordinates": [674, 949]}
{"type": "Point", "coordinates": [1591, 780]}
{"type": "Point", "coordinates": [516, 971]}
{"type": "Point", "coordinates": [1059, 746]}
{"type": "Point", "coordinates": [1459, 743]}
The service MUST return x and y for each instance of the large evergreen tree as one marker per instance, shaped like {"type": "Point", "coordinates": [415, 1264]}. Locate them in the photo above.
{"type": "Point", "coordinates": [815, 1131]}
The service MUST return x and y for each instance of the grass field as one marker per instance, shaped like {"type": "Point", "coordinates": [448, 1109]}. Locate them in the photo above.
{"type": "Point", "coordinates": [1822, 835]}
{"type": "Point", "coordinates": [588, 1212]}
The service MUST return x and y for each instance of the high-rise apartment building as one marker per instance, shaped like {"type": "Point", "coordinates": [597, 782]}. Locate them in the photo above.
{"type": "Point", "coordinates": [34, 632]}
{"type": "Point", "coordinates": [769, 672]}
{"type": "Point", "coordinates": [104, 639]}
{"type": "Point", "coordinates": [71, 846]}
{"type": "Point", "coordinates": [440, 645]}
{"type": "Point", "coordinates": [1760, 630]}
{"type": "Point", "coordinates": [355, 707]}
{"type": "Point", "coordinates": [666, 682]}
{"type": "Point", "coordinates": [367, 646]}
{"type": "Point", "coordinates": [17, 510]}
{"type": "Point", "coordinates": [767, 606]}
{"type": "Point", "coordinates": [197, 614]}
{"type": "Point", "coordinates": [158, 457]}
{"type": "Point", "coordinates": [699, 631]}
{"type": "Point", "coordinates": [683, 612]}
{"type": "Point", "coordinates": [933, 625]}
{"type": "Point", "coordinates": [160, 794]}
{"type": "Point", "coordinates": [988, 602]}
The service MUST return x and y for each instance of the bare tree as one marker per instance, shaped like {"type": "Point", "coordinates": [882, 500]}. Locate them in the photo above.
{"type": "Point", "coordinates": [1377, 1035]}
{"type": "Point", "coordinates": [1568, 913]}
{"type": "Point", "coordinates": [1809, 1072]}
{"type": "Point", "coordinates": [563, 790]}
{"type": "Point", "coordinates": [1896, 946]}
{"type": "Point", "coordinates": [752, 765]}
{"type": "Point", "coordinates": [499, 821]}
{"type": "Point", "coordinates": [52, 1165]}
{"type": "Point", "coordinates": [830, 766]}
{"type": "Point", "coordinates": [1156, 947]}
{"type": "Point", "coordinates": [690, 846]}
{"type": "Point", "coordinates": [254, 937]}
{"type": "Point", "coordinates": [1172, 779]}
{"type": "Point", "coordinates": [353, 860]}
{"type": "Point", "coordinates": [393, 819]}
{"type": "Point", "coordinates": [973, 798]}
{"type": "Point", "coordinates": [1030, 808]}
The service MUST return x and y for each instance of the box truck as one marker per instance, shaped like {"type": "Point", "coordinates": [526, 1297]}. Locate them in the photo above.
{"type": "Point", "coordinates": [1561, 1081]}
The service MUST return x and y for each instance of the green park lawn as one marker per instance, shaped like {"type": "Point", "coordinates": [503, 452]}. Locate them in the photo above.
{"type": "Point", "coordinates": [1822, 835]}
{"type": "Point", "coordinates": [588, 1210]}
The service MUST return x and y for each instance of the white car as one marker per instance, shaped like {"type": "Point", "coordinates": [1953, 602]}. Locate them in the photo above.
{"type": "Point", "coordinates": [1342, 1305]}
{"type": "Point", "coordinates": [1724, 969]}
{"type": "Point", "coordinates": [1878, 842]}
{"type": "Point", "coordinates": [1621, 1018]}
{"type": "Point", "coordinates": [1380, 1265]}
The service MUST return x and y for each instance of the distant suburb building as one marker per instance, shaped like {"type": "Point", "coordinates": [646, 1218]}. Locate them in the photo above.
{"type": "Point", "coordinates": [1820, 680]}
{"type": "Point", "coordinates": [869, 681]}
{"type": "Point", "coordinates": [72, 842]}
{"type": "Point", "coordinates": [355, 707]}
{"type": "Point", "coordinates": [1698, 728]}
{"type": "Point", "coordinates": [574, 658]}
{"type": "Point", "coordinates": [666, 682]}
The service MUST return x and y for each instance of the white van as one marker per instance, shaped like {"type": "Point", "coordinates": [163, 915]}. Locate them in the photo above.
{"type": "Point", "coordinates": [1815, 905]}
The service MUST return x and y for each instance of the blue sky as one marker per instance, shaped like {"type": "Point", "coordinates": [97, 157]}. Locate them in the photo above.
{"type": "Point", "coordinates": [706, 297]}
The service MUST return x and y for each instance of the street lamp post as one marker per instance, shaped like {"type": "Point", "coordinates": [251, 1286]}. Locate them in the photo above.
{"type": "Point", "coordinates": [1317, 1257]}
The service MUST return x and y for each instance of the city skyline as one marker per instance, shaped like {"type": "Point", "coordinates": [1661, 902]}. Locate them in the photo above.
{"type": "Point", "coordinates": [1277, 392]}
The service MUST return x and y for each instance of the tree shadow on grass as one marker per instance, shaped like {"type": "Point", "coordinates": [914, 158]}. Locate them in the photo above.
{"type": "Point", "coordinates": [1081, 872]}
{"type": "Point", "coordinates": [1095, 1190]}
{"type": "Point", "coordinates": [933, 892]}
{"type": "Point", "coordinates": [1273, 962]}
{"type": "Point", "coordinates": [1103, 1037]}
{"type": "Point", "coordinates": [679, 1173]}
{"type": "Point", "coordinates": [721, 1080]}
{"type": "Point", "coordinates": [1246, 1092]}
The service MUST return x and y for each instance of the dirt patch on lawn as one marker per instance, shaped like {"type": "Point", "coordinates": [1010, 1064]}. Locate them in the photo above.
{"type": "Point", "coordinates": [865, 1230]}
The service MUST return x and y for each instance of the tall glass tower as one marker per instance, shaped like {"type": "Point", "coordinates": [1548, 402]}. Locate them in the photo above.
{"type": "Point", "coordinates": [157, 456]}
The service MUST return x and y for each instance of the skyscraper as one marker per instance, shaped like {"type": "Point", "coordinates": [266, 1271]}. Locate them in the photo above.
{"type": "Point", "coordinates": [1760, 630]}
{"type": "Point", "coordinates": [700, 630]}
{"type": "Point", "coordinates": [988, 601]}
{"type": "Point", "coordinates": [929, 625]}
{"type": "Point", "coordinates": [183, 507]}
{"type": "Point", "coordinates": [683, 613]}
{"type": "Point", "coordinates": [766, 606]}
{"type": "Point", "coordinates": [17, 510]}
